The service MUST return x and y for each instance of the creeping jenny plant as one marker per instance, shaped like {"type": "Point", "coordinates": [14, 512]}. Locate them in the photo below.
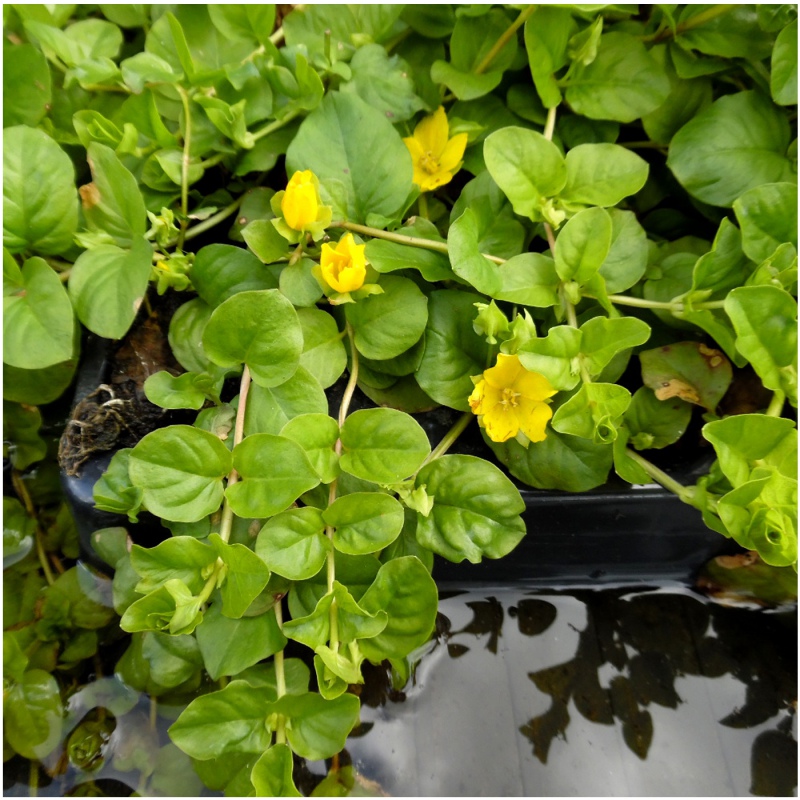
{"type": "Point", "coordinates": [576, 224]}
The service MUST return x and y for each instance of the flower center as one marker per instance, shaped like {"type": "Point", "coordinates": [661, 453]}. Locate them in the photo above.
{"type": "Point", "coordinates": [430, 163]}
{"type": "Point", "coordinates": [509, 399]}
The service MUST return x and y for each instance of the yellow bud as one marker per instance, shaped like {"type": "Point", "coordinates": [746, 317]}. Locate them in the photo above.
{"type": "Point", "coordinates": [344, 267]}
{"type": "Point", "coordinates": [300, 203]}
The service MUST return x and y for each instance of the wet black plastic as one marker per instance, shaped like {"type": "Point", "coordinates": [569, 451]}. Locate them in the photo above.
{"type": "Point", "coordinates": [607, 534]}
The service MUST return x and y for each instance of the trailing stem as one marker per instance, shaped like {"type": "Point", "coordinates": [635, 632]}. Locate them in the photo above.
{"type": "Point", "coordinates": [208, 224]}
{"type": "Point", "coordinates": [449, 438]}
{"type": "Point", "coordinates": [187, 144]}
{"type": "Point", "coordinates": [686, 493]}
{"type": "Point", "coordinates": [276, 125]}
{"type": "Point", "coordinates": [280, 677]}
{"type": "Point", "coordinates": [775, 408]}
{"type": "Point", "coordinates": [27, 502]}
{"type": "Point", "coordinates": [238, 434]}
{"type": "Point", "coordinates": [504, 39]}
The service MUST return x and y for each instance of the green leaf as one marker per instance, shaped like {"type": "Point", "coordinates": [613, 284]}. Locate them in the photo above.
{"type": "Point", "coordinates": [38, 387]}
{"type": "Point", "coordinates": [546, 35]}
{"type": "Point", "coordinates": [259, 329]}
{"type": "Point", "coordinates": [189, 390]}
{"type": "Point", "coordinates": [583, 244]}
{"type": "Point", "coordinates": [324, 355]}
{"type": "Point", "coordinates": [783, 74]}
{"type": "Point", "coordinates": [293, 543]}
{"type": "Point", "coordinates": [186, 336]}
{"type": "Point", "coordinates": [767, 215]}
{"type": "Point", "coordinates": [21, 426]}
{"type": "Point", "coordinates": [466, 258]}
{"type": "Point", "coordinates": [689, 370]}
{"type": "Point", "coordinates": [114, 490]}
{"type": "Point", "coordinates": [626, 261]}
{"type": "Point", "coordinates": [364, 522]}
{"type": "Point", "coordinates": [32, 713]}
{"type": "Point", "coordinates": [171, 608]}
{"type": "Point", "coordinates": [245, 577]}
{"type": "Point", "coordinates": [331, 142]}
{"type": "Point", "coordinates": [387, 324]}
{"type": "Point", "coordinates": [27, 92]}
{"type": "Point", "coordinates": [382, 445]}
{"type": "Point", "coordinates": [143, 69]}
{"type": "Point", "coordinates": [764, 318]}
{"type": "Point", "coordinates": [229, 721]}
{"type": "Point", "coordinates": [387, 257]}
{"type": "Point", "coordinates": [529, 279]}
{"type": "Point", "coordinates": [593, 412]}
{"type": "Point", "coordinates": [555, 356]}
{"type": "Point", "coordinates": [272, 773]}
{"type": "Point", "coordinates": [107, 285]}
{"type": "Point", "coordinates": [725, 266]}
{"type": "Point", "coordinates": [733, 34]}
{"type": "Point", "coordinates": [173, 659]}
{"type": "Point", "coordinates": [180, 470]}
{"type": "Point", "coordinates": [453, 351]}
{"type": "Point", "coordinates": [299, 285]}
{"type": "Point", "coordinates": [561, 461]}
{"type": "Point", "coordinates": [317, 728]}
{"type": "Point", "coordinates": [405, 591]}
{"type": "Point", "coordinates": [526, 166]}
{"type": "Point", "coordinates": [268, 410]}
{"type": "Point", "coordinates": [602, 339]}
{"type": "Point", "coordinates": [263, 239]}
{"type": "Point", "coordinates": [384, 83]}
{"type": "Point", "coordinates": [602, 174]}
{"type": "Point", "coordinates": [655, 423]}
{"type": "Point", "coordinates": [19, 531]}
{"type": "Point", "coordinates": [747, 441]}
{"type": "Point", "coordinates": [475, 510]}
{"type": "Point", "coordinates": [40, 209]}
{"type": "Point", "coordinates": [736, 144]}
{"type": "Point", "coordinates": [38, 324]}
{"type": "Point", "coordinates": [623, 83]}
{"type": "Point", "coordinates": [182, 558]}
{"type": "Point", "coordinates": [273, 471]}
{"type": "Point", "coordinates": [81, 41]}
{"type": "Point", "coordinates": [243, 22]}
{"type": "Point", "coordinates": [317, 435]}
{"type": "Point", "coordinates": [220, 271]}
{"type": "Point", "coordinates": [112, 203]}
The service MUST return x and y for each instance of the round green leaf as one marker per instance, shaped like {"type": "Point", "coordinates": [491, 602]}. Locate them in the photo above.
{"type": "Point", "coordinates": [332, 142]}
{"type": "Point", "coordinates": [655, 423]}
{"type": "Point", "coordinates": [526, 166]}
{"type": "Point", "coordinates": [475, 510]}
{"type": "Point", "coordinates": [783, 76]}
{"type": "Point", "coordinates": [736, 144]}
{"type": "Point", "coordinates": [259, 329]}
{"type": "Point", "coordinates": [382, 445]}
{"type": "Point", "coordinates": [582, 245]}
{"type": "Point", "coordinates": [365, 522]}
{"type": "Point", "coordinates": [272, 773]}
{"type": "Point", "coordinates": [222, 270]}
{"type": "Point", "coordinates": [317, 435]}
{"type": "Point", "coordinates": [623, 83]}
{"type": "Point", "coordinates": [453, 351]}
{"type": "Point", "coordinates": [404, 589]}
{"type": "Point", "coordinates": [107, 285]}
{"type": "Point", "coordinates": [387, 324]}
{"type": "Point", "coordinates": [467, 260]}
{"type": "Point", "coordinates": [602, 174]}
{"type": "Point", "coordinates": [273, 471]}
{"type": "Point", "coordinates": [186, 338]}
{"type": "Point", "coordinates": [32, 715]}
{"type": "Point", "coordinates": [40, 208]}
{"type": "Point", "coordinates": [627, 258]}
{"type": "Point", "coordinates": [268, 410]}
{"type": "Point", "coordinates": [26, 85]}
{"type": "Point", "coordinates": [38, 324]}
{"type": "Point", "coordinates": [293, 544]}
{"type": "Point", "coordinates": [767, 215]}
{"type": "Point", "coordinates": [529, 279]}
{"type": "Point", "coordinates": [180, 470]}
{"type": "Point", "coordinates": [323, 355]}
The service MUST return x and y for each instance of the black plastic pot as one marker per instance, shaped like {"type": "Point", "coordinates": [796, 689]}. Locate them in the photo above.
{"type": "Point", "coordinates": [615, 532]}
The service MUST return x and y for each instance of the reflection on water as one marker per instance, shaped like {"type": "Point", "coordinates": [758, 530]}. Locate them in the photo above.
{"type": "Point", "coordinates": [521, 691]}
{"type": "Point", "coordinates": [583, 692]}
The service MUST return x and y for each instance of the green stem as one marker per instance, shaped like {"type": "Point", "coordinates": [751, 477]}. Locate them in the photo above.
{"type": "Point", "coordinates": [22, 492]}
{"type": "Point", "coordinates": [226, 523]}
{"type": "Point", "coordinates": [280, 677]}
{"type": "Point", "coordinates": [399, 238]}
{"type": "Point", "coordinates": [276, 125]}
{"type": "Point", "coordinates": [450, 437]}
{"type": "Point", "coordinates": [504, 39]}
{"type": "Point", "coordinates": [572, 321]}
{"type": "Point", "coordinates": [277, 37]}
{"type": "Point", "coordinates": [99, 87]}
{"type": "Point", "coordinates": [550, 124]}
{"type": "Point", "coordinates": [353, 380]}
{"type": "Point", "coordinates": [695, 22]}
{"type": "Point", "coordinates": [153, 712]}
{"type": "Point", "coordinates": [423, 206]}
{"type": "Point", "coordinates": [213, 161]}
{"type": "Point", "coordinates": [686, 493]}
{"type": "Point", "coordinates": [640, 302]}
{"type": "Point", "coordinates": [33, 779]}
{"type": "Point", "coordinates": [187, 143]}
{"type": "Point", "coordinates": [775, 408]}
{"type": "Point", "coordinates": [209, 223]}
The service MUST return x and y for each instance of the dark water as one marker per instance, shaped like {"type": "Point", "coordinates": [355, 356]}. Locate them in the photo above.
{"type": "Point", "coordinates": [528, 691]}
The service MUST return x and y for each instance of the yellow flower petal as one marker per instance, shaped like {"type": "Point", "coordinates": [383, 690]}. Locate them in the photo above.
{"type": "Point", "coordinates": [484, 398]}
{"type": "Point", "coordinates": [533, 386]}
{"type": "Point", "coordinates": [344, 267]}
{"type": "Point", "coordinates": [431, 132]}
{"type": "Point", "coordinates": [533, 418]}
{"type": "Point", "coordinates": [453, 153]}
{"type": "Point", "coordinates": [505, 372]}
{"type": "Point", "coordinates": [500, 423]}
{"type": "Point", "coordinates": [301, 201]}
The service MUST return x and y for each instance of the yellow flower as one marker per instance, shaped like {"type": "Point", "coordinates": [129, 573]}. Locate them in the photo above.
{"type": "Point", "coordinates": [301, 201]}
{"type": "Point", "coordinates": [509, 399]}
{"type": "Point", "coordinates": [344, 267]}
{"type": "Point", "coordinates": [436, 158]}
